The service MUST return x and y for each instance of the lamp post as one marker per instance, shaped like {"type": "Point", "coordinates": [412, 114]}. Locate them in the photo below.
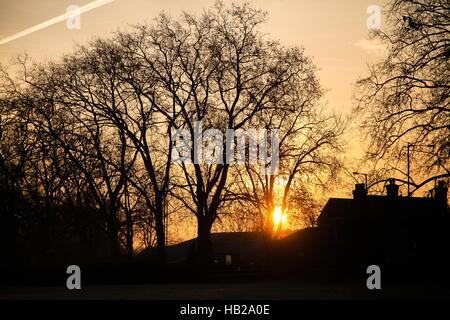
{"type": "Point", "coordinates": [408, 162]}
{"type": "Point", "coordinates": [407, 166]}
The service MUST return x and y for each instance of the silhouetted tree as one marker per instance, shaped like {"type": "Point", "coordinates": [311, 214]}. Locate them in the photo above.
{"type": "Point", "coordinates": [309, 142]}
{"type": "Point", "coordinates": [219, 69]}
{"type": "Point", "coordinates": [93, 132]}
{"type": "Point", "coordinates": [405, 99]}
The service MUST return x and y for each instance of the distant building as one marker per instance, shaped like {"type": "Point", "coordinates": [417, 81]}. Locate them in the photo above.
{"type": "Point", "coordinates": [377, 229]}
{"type": "Point", "coordinates": [230, 249]}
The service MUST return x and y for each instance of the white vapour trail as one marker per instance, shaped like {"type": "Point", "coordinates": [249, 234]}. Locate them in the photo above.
{"type": "Point", "coordinates": [65, 16]}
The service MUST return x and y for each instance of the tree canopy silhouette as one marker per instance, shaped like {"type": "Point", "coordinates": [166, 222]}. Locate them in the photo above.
{"type": "Point", "coordinates": [94, 139]}
{"type": "Point", "coordinates": [405, 98]}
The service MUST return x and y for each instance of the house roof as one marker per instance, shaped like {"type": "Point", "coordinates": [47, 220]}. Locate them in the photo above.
{"type": "Point", "coordinates": [376, 207]}
{"type": "Point", "coordinates": [241, 243]}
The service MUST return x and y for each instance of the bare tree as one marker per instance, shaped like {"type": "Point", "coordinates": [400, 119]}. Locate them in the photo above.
{"type": "Point", "coordinates": [100, 126]}
{"type": "Point", "coordinates": [220, 70]}
{"type": "Point", "coordinates": [405, 98]}
{"type": "Point", "coordinates": [309, 142]}
{"type": "Point", "coordinates": [45, 195]}
{"type": "Point", "coordinates": [62, 107]}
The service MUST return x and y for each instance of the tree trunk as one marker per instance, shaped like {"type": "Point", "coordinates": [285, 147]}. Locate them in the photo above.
{"type": "Point", "coordinates": [204, 244]}
{"type": "Point", "coordinates": [113, 233]}
{"type": "Point", "coordinates": [129, 236]}
{"type": "Point", "coordinates": [160, 233]}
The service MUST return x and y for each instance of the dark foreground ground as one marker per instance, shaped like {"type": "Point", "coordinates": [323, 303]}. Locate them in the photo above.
{"type": "Point", "coordinates": [144, 282]}
{"type": "Point", "coordinates": [260, 290]}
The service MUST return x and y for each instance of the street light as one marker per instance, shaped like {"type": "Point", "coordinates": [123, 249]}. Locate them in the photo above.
{"type": "Point", "coordinates": [362, 174]}
{"type": "Point", "coordinates": [409, 145]}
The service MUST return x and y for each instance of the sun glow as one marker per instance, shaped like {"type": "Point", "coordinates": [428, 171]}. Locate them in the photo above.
{"type": "Point", "coordinates": [278, 217]}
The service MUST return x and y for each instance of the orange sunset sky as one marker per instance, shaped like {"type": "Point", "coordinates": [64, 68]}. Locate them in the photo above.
{"type": "Point", "coordinates": [334, 33]}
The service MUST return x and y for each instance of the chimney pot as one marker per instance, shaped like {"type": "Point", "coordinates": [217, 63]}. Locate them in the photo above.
{"type": "Point", "coordinates": [392, 189]}
{"type": "Point", "coordinates": [440, 193]}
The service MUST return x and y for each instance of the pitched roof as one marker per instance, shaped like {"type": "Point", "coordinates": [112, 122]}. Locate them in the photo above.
{"type": "Point", "coordinates": [376, 207]}
{"type": "Point", "coordinates": [242, 243]}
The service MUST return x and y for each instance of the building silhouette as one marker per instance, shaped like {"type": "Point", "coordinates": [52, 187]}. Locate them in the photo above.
{"type": "Point", "coordinates": [388, 230]}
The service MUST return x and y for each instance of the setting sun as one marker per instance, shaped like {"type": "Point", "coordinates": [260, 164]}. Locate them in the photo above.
{"type": "Point", "coordinates": [278, 217]}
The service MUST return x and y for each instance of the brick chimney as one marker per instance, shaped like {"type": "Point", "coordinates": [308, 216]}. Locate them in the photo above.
{"type": "Point", "coordinates": [440, 192]}
{"type": "Point", "coordinates": [360, 191]}
{"type": "Point", "coordinates": [392, 189]}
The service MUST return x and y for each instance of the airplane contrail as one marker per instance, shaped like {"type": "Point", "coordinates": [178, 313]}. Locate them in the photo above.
{"type": "Point", "coordinates": [65, 16]}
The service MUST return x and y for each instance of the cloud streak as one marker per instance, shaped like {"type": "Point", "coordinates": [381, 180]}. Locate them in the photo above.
{"type": "Point", "coordinates": [371, 46]}
{"type": "Point", "coordinates": [90, 6]}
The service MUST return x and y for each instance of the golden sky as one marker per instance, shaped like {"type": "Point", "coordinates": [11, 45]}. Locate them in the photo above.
{"type": "Point", "coordinates": [332, 31]}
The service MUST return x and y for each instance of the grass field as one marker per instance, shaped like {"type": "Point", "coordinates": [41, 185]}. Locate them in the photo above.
{"type": "Point", "coordinates": [275, 290]}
